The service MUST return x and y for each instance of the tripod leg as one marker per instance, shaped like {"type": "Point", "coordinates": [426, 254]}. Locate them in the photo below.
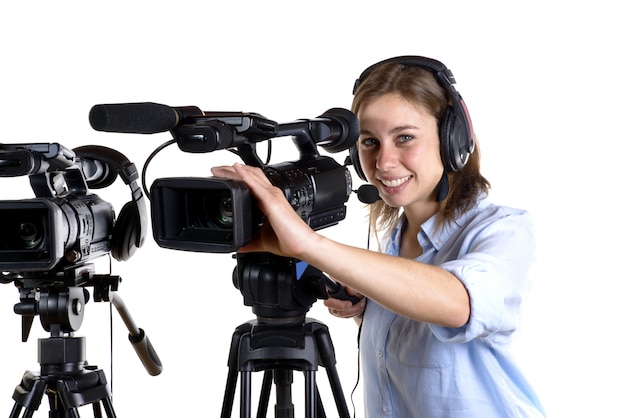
{"type": "Point", "coordinates": [108, 407]}
{"type": "Point", "coordinates": [327, 355]}
{"type": "Point", "coordinates": [28, 395]}
{"type": "Point", "coordinates": [229, 393]}
{"type": "Point", "coordinates": [15, 412]}
{"type": "Point", "coordinates": [233, 367]}
{"type": "Point", "coordinates": [245, 409]}
{"type": "Point", "coordinates": [340, 400]}
{"type": "Point", "coordinates": [310, 394]}
{"type": "Point", "coordinates": [97, 411]}
{"type": "Point", "coordinates": [320, 412]}
{"type": "Point", "coordinates": [284, 407]}
{"type": "Point", "coordinates": [264, 397]}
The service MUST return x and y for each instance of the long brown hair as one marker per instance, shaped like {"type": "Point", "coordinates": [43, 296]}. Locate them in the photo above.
{"type": "Point", "coordinates": [419, 86]}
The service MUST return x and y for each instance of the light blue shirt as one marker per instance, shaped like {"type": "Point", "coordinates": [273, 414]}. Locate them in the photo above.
{"type": "Point", "coordinates": [413, 369]}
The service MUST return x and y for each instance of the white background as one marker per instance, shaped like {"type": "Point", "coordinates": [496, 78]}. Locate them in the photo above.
{"type": "Point", "coordinates": [544, 83]}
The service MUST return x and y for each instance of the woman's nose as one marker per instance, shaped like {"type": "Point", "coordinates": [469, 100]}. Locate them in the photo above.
{"type": "Point", "coordinates": [387, 157]}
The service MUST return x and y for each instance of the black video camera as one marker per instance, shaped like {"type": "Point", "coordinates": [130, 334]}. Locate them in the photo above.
{"type": "Point", "coordinates": [218, 215]}
{"type": "Point", "coordinates": [63, 225]}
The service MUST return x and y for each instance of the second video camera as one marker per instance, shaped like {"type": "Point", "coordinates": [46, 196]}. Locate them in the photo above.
{"type": "Point", "coordinates": [65, 224]}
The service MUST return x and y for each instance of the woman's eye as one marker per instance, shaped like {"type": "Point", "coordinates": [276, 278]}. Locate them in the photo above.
{"type": "Point", "coordinates": [405, 138]}
{"type": "Point", "coordinates": [368, 142]}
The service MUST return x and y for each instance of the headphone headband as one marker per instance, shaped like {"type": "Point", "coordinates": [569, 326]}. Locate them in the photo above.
{"type": "Point", "coordinates": [443, 74]}
{"type": "Point", "coordinates": [131, 225]}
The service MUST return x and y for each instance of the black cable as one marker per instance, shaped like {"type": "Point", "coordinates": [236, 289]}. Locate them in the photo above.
{"type": "Point", "coordinates": [358, 368]}
{"type": "Point", "coordinates": [358, 335]}
{"type": "Point", "coordinates": [148, 160]}
{"type": "Point", "coordinates": [111, 334]}
{"type": "Point", "coordinates": [172, 141]}
{"type": "Point", "coordinates": [111, 345]}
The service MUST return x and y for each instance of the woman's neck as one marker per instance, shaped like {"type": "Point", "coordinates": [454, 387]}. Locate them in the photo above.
{"type": "Point", "coordinates": [409, 245]}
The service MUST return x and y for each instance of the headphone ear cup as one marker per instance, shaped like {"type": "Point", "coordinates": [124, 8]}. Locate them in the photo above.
{"type": "Point", "coordinates": [453, 141]}
{"type": "Point", "coordinates": [125, 238]}
{"type": "Point", "coordinates": [446, 126]}
{"type": "Point", "coordinates": [356, 163]}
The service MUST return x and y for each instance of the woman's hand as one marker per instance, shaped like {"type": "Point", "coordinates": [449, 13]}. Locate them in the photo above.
{"type": "Point", "coordinates": [344, 308]}
{"type": "Point", "coordinates": [283, 233]}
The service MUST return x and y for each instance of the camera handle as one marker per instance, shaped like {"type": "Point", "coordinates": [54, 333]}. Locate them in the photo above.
{"type": "Point", "coordinates": [58, 183]}
{"type": "Point", "coordinates": [138, 338]}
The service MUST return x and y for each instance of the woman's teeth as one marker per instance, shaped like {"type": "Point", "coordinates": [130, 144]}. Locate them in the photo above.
{"type": "Point", "coordinates": [395, 182]}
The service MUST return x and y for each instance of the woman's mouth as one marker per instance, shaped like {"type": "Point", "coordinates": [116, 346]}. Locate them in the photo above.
{"type": "Point", "coordinates": [393, 183]}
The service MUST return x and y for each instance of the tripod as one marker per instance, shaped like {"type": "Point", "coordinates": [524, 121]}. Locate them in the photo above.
{"type": "Point", "coordinates": [281, 339]}
{"type": "Point", "coordinates": [65, 376]}
{"type": "Point", "coordinates": [67, 380]}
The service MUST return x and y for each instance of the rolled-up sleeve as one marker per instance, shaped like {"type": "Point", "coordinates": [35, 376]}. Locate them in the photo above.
{"type": "Point", "coordinates": [492, 259]}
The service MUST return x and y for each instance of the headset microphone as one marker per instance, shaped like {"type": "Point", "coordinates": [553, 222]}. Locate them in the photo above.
{"type": "Point", "coordinates": [367, 194]}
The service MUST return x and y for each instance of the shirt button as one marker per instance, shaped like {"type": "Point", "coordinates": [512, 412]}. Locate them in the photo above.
{"type": "Point", "coordinates": [379, 354]}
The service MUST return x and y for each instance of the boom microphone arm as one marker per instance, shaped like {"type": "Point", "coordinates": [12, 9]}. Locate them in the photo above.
{"type": "Point", "coordinates": [195, 130]}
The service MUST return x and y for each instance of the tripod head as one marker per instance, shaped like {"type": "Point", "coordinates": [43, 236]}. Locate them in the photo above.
{"type": "Point", "coordinates": [59, 297]}
{"type": "Point", "coordinates": [281, 290]}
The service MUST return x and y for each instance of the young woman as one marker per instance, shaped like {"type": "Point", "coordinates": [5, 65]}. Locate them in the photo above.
{"type": "Point", "coordinates": [441, 299]}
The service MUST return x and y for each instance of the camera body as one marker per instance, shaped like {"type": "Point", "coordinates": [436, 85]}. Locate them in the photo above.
{"type": "Point", "coordinates": [43, 233]}
{"type": "Point", "coordinates": [219, 215]}
{"type": "Point", "coordinates": [64, 225]}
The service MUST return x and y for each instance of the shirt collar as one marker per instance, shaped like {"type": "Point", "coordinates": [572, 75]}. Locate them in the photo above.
{"type": "Point", "coordinates": [428, 232]}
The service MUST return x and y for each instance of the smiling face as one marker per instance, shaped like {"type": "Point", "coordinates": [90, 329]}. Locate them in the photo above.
{"type": "Point", "coordinates": [399, 152]}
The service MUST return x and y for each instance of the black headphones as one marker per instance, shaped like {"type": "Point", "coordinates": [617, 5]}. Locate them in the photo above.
{"type": "Point", "coordinates": [456, 134]}
{"type": "Point", "coordinates": [130, 228]}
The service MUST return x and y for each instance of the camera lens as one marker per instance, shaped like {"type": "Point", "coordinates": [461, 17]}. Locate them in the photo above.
{"type": "Point", "coordinates": [29, 235]}
{"type": "Point", "coordinates": [212, 210]}
{"type": "Point", "coordinates": [225, 215]}
{"type": "Point", "coordinates": [23, 229]}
